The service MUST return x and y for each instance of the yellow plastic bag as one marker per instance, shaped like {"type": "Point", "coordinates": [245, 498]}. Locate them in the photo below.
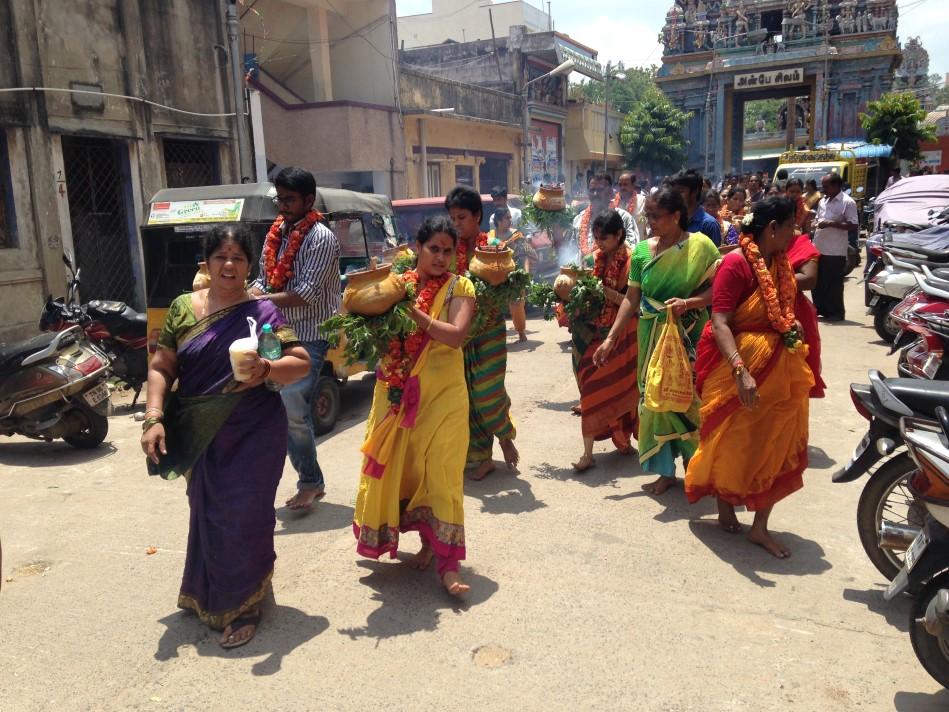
{"type": "Point", "coordinates": [669, 385]}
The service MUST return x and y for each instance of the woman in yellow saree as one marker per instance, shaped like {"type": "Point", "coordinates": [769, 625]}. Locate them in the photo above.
{"type": "Point", "coordinates": [753, 379]}
{"type": "Point", "coordinates": [417, 435]}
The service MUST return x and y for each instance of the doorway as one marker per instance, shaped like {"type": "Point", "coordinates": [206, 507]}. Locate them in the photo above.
{"type": "Point", "coordinates": [97, 183]}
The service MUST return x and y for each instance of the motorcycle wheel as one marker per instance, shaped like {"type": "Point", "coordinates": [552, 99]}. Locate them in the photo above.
{"type": "Point", "coordinates": [883, 324]}
{"type": "Point", "coordinates": [95, 428]}
{"type": "Point", "coordinates": [326, 405]}
{"type": "Point", "coordinates": [887, 497]}
{"type": "Point", "coordinates": [931, 651]}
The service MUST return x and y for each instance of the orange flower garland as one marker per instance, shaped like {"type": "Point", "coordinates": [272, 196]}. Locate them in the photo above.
{"type": "Point", "coordinates": [397, 364]}
{"type": "Point", "coordinates": [609, 272]}
{"type": "Point", "coordinates": [278, 272]}
{"type": "Point", "coordinates": [583, 238]}
{"type": "Point", "coordinates": [779, 300]}
{"type": "Point", "coordinates": [630, 204]}
{"type": "Point", "coordinates": [461, 252]}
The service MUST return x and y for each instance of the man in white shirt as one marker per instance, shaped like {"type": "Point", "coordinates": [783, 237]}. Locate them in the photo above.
{"type": "Point", "coordinates": [601, 195]}
{"type": "Point", "coordinates": [836, 217]}
{"type": "Point", "coordinates": [631, 200]}
{"type": "Point", "coordinates": [499, 194]}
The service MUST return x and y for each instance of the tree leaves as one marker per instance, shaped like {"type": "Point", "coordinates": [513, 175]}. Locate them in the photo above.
{"type": "Point", "coordinates": [894, 119]}
{"type": "Point", "coordinates": [653, 133]}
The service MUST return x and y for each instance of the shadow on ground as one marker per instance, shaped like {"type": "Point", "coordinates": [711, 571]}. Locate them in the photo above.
{"type": "Point", "coordinates": [610, 466]}
{"type": "Point", "coordinates": [321, 517]}
{"type": "Point", "coordinates": [282, 630]}
{"type": "Point", "coordinates": [675, 506]}
{"type": "Point", "coordinates": [52, 455]}
{"type": "Point", "coordinates": [751, 561]}
{"type": "Point", "coordinates": [561, 407]}
{"type": "Point", "coordinates": [503, 492]}
{"type": "Point", "coordinates": [413, 601]}
{"type": "Point", "coordinates": [529, 345]}
{"type": "Point", "coordinates": [895, 612]}
{"type": "Point", "coordinates": [818, 459]}
{"type": "Point", "coordinates": [921, 701]}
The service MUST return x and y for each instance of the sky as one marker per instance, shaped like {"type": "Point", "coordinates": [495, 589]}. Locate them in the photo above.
{"type": "Point", "coordinates": [628, 31]}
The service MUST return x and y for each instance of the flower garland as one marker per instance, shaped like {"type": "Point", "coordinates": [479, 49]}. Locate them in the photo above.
{"type": "Point", "coordinates": [779, 300]}
{"type": "Point", "coordinates": [608, 269]}
{"type": "Point", "coordinates": [800, 214]}
{"type": "Point", "coordinates": [277, 272]}
{"type": "Point", "coordinates": [630, 204]}
{"type": "Point", "coordinates": [396, 365]}
{"type": "Point", "coordinates": [583, 237]}
{"type": "Point", "coordinates": [461, 252]}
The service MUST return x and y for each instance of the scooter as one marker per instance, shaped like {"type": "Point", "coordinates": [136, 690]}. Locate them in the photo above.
{"type": "Point", "coordinates": [115, 327]}
{"type": "Point", "coordinates": [54, 386]}
{"type": "Point", "coordinates": [923, 320]}
{"type": "Point", "coordinates": [925, 571]}
{"type": "Point", "coordinates": [888, 518]}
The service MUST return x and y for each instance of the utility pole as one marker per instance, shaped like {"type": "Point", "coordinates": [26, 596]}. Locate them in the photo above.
{"type": "Point", "coordinates": [237, 80]}
{"type": "Point", "coordinates": [606, 114]}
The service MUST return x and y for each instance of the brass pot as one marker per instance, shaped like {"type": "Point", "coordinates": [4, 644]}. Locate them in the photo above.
{"type": "Point", "coordinates": [492, 264]}
{"type": "Point", "coordinates": [567, 280]}
{"type": "Point", "coordinates": [373, 291]}
{"type": "Point", "coordinates": [391, 254]}
{"type": "Point", "coordinates": [202, 278]}
{"type": "Point", "coordinates": [550, 198]}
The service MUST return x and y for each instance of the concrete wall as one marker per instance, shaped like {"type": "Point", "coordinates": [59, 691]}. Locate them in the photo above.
{"type": "Point", "coordinates": [464, 21]}
{"type": "Point", "coordinates": [140, 48]}
{"type": "Point", "coordinates": [420, 90]}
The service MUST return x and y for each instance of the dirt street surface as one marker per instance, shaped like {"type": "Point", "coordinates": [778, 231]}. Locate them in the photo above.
{"type": "Point", "coordinates": [586, 593]}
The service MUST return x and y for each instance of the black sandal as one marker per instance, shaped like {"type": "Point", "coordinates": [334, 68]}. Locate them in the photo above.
{"type": "Point", "coordinates": [242, 621]}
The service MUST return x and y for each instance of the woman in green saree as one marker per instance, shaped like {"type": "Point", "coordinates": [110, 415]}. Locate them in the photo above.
{"type": "Point", "coordinates": [673, 268]}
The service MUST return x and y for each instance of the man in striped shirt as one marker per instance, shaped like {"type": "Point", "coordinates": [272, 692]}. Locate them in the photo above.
{"type": "Point", "coordinates": [309, 297]}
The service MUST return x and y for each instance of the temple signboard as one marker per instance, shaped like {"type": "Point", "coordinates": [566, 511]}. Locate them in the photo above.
{"type": "Point", "coordinates": [770, 78]}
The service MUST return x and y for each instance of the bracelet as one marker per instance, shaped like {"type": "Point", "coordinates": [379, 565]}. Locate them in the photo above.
{"type": "Point", "coordinates": [160, 412]}
{"type": "Point", "coordinates": [738, 369]}
{"type": "Point", "coordinates": [431, 320]}
{"type": "Point", "coordinates": [731, 358]}
{"type": "Point", "coordinates": [267, 366]}
{"type": "Point", "coordinates": [149, 422]}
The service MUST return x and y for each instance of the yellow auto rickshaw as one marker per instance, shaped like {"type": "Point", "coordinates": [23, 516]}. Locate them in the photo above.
{"type": "Point", "coordinates": [179, 217]}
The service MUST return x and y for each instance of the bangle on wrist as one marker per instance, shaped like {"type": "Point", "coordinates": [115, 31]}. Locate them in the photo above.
{"type": "Point", "coordinates": [431, 320]}
{"type": "Point", "coordinates": [267, 366]}
{"type": "Point", "coordinates": [149, 422]}
{"type": "Point", "coordinates": [158, 411]}
{"type": "Point", "coordinates": [738, 368]}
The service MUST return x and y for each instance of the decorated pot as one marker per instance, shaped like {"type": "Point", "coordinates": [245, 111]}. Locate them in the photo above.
{"type": "Point", "coordinates": [391, 254]}
{"type": "Point", "coordinates": [202, 278]}
{"type": "Point", "coordinates": [567, 280]}
{"type": "Point", "coordinates": [550, 198]}
{"type": "Point", "coordinates": [373, 291]}
{"type": "Point", "coordinates": [492, 264]}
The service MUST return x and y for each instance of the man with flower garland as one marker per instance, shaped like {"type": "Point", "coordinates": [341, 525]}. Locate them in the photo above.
{"type": "Point", "coordinates": [299, 273]}
{"type": "Point", "coordinates": [601, 197]}
{"type": "Point", "coordinates": [629, 198]}
{"type": "Point", "coordinates": [485, 353]}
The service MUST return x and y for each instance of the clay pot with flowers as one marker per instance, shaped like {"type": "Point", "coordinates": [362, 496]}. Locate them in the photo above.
{"type": "Point", "coordinates": [373, 291]}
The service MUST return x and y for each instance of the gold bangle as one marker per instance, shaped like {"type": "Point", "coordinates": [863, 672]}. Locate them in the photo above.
{"type": "Point", "coordinates": [149, 422]}
{"type": "Point", "coordinates": [160, 412]}
{"type": "Point", "coordinates": [431, 320]}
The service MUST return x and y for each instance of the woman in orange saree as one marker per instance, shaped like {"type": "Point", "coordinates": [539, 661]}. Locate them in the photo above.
{"type": "Point", "coordinates": [753, 379]}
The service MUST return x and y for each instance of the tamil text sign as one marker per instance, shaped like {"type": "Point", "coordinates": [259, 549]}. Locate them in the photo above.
{"type": "Point", "coordinates": [771, 78]}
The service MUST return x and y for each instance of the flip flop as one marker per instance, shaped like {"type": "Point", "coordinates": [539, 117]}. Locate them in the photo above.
{"type": "Point", "coordinates": [235, 625]}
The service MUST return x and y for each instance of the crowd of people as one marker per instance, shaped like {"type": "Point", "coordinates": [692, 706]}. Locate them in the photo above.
{"type": "Point", "coordinates": [724, 271]}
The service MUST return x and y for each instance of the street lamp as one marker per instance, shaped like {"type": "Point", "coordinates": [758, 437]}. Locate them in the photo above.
{"type": "Point", "coordinates": [606, 109]}
{"type": "Point", "coordinates": [561, 69]}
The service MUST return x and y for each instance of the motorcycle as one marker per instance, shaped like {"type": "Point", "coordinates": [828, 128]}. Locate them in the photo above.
{"type": "Point", "coordinates": [54, 386]}
{"type": "Point", "coordinates": [114, 327]}
{"type": "Point", "coordinates": [924, 327]}
{"type": "Point", "coordinates": [888, 517]}
{"type": "Point", "coordinates": [925, 571]}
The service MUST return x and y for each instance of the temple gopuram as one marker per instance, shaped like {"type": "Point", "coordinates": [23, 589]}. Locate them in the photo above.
{"type": "Point", "coordinates": [829, 59]}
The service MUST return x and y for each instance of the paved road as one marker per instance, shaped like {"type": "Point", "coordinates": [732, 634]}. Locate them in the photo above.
{"type": "Point", "coordinates": [587, 594]}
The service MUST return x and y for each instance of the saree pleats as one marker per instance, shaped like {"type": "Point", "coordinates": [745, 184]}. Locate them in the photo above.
{"type": "Point", "coordinates": [751, 457]}
{"type": "Point", "coordinates": [609, 396]}
{"type": "Point", "coordinates": [485, 358]}
{"type": "Point", "coordinates": [420, 487]}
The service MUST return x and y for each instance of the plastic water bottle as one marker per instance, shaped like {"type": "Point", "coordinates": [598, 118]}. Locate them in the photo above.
{"type": "Point", "coordinates": [269, 348]}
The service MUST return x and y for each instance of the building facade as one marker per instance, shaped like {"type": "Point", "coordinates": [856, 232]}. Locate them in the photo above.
{"type": "Point", "coordinates": [327, 74]}
{"type": "Point", "coordinates": [584, 143]}
{"type": "Point", "coordinates": [99, 109]}
{"type": "Point", "coordinates": [837, 56]}
{"type": "Point", "coordinates": [465, 21]}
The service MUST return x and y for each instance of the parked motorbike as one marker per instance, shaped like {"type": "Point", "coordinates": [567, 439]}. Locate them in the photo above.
{"type": "Point", "coordinates": [925, 571]}
{"type": "Point", "coordinates": [924, 327]}
{"type": "Point", "coordinates": [54, 386]}
{"type": "Point", "coordinates": [114, 327]}
{"type": "Point", "coordinates": [888, 517]}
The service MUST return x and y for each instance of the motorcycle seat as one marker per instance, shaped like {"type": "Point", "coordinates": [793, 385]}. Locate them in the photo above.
{"type": "Point", "coordinates": [119, 315]}
{"type": "Point", "coordinates": [921, 253]}
{"type": "Point", "coordinates": [923, 397]}
{"type": "Point", "coordinates": [941, 273]}
{"type": "Point", "coordinates": [13, 353]}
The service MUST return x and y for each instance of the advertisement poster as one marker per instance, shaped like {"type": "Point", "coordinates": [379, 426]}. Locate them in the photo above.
{"type": "Point", "coordinates": [545, 152]}
{"type": "Point", "coordinates": [196, 211]}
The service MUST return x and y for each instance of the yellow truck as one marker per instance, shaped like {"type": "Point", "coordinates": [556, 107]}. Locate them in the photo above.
{"type": "Point", "coordinates": [815, 164]}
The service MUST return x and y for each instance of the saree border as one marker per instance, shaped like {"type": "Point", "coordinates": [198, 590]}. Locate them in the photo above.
{"type": "Point", "coordinates": [219, 621]}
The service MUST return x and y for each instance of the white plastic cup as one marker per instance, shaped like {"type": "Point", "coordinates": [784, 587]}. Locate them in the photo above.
{"type": "Point", "coordinates": [238, 351]}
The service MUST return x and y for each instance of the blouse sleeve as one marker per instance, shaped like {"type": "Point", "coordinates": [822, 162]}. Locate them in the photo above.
{"type": "Point", "coordinates": [177, 312]}
{"type": "Point", "coordinates": [464, 288]}
{"type": "Point", "coordinates": [636, 265]}
{"type": "Point", "coordinates": [733, 283]}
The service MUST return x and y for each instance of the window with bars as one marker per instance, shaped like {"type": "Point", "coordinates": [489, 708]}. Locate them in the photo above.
{"type": "Point", "coordinates": [7, 218]}
{"type": "Point", "coordinates": [190, 163]}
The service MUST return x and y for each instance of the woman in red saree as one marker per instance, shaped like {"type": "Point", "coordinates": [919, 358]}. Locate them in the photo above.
{"type": "Point", "coordinates": [609, 396]}
{"type": "Point", "coordinates": [753, 379]}
{"type": "Point", "coordinates": [803, 258]}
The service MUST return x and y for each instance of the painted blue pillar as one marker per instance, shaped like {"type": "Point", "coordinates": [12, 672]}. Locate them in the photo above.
{"type": "Point", "coordinates": [720, 128]}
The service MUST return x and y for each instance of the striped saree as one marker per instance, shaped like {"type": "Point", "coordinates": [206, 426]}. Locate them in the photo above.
{"type": "Point", "coordinates": [489, 404]}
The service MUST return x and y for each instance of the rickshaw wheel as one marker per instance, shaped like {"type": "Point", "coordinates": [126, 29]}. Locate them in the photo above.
{"type": "Point", "coordinates": [326, 405]}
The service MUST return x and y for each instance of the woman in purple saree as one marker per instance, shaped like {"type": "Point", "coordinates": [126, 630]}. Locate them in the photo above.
{"type": "Point", "coordinates": [227, 438]}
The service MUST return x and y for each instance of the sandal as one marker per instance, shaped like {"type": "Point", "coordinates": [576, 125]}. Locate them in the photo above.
{"type": "Point", "coordinates": [249, 618]}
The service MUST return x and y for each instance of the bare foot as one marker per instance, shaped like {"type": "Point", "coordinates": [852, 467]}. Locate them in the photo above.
{"type": "Point", "coordinates": [484, 469]}
{"type": "Point", "coordinates": [511, 455]}
{"type": "Point", "coordinates": [584, 463]}
{"type": "Point", "coordinates": [575, 409]}
{"type": "Point", "coordinates": [421, 559]}
{"type": "Point", "coordinates": [626, 450]}
{"type": "Point", "coordinates": [240, 631]}
{"type": "Point", "coordinates": [454, 585]}
{"type": "Point", "coordinates": [727, 519]}
{"type": "Point", "coordinates": [304, 499]}
{"type": "Point", "coordinates": [661, 485]}
{"type": "Point", "coordinates": [764, 540]}
{"type": "Point", "coordinates": [521, 336]}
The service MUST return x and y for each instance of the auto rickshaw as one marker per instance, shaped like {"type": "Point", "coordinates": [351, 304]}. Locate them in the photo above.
{"type": "Point", "coordinates": [179, 217]}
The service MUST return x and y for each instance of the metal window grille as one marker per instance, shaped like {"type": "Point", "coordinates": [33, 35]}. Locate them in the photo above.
{"type": "Point", "coordinates": [7, 220]}
{"type": "Point", "coordinates": [190, 163]}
